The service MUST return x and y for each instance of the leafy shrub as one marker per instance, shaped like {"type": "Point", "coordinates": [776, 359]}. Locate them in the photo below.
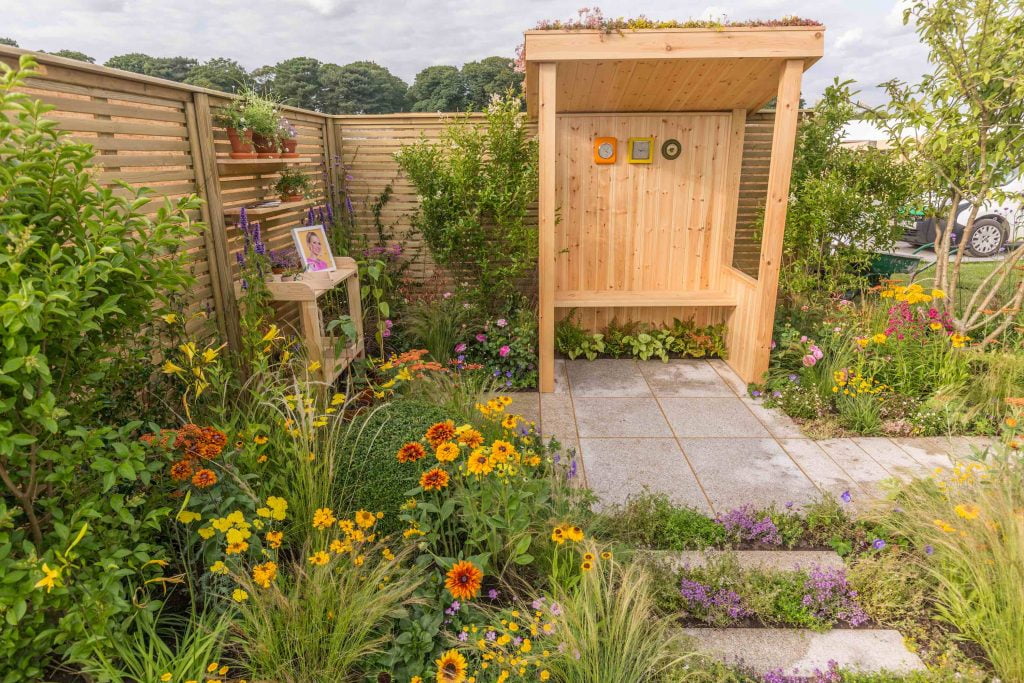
{"type": "Point", "coordinates": [383, 481]}
{"type": "Point", "coordinates": [845, 203]}
{"type": "Point", "coordinates": [682, 338]}
{"type": "Point", "coordinates": [506, 348]}
{"type": "Point", "coordinates": [81, 272]}
{"type": "Point", "coordinates": [475, 186]}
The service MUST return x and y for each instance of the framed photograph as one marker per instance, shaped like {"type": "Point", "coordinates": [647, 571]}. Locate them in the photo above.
{"type": "Point", "coordinates": [639, 150]}
{"type": "Point", "coordinates": [314, 250]}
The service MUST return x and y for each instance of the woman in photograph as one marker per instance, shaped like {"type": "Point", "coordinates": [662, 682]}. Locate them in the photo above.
{"type": "Point", "coordinates": [314, 251]}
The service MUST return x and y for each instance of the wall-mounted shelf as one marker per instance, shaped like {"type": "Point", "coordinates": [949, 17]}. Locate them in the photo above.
{"type": "Point", "coordinates": [228, 167]}
{"type": "Point", "coordinates": [264, 211]}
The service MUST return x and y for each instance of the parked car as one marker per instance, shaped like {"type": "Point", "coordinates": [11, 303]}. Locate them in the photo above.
{"type": "Point", "coordinates": [997, 225]}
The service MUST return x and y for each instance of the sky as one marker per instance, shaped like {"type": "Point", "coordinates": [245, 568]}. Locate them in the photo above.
{"type": "Point", "coordinates": [865, 39]}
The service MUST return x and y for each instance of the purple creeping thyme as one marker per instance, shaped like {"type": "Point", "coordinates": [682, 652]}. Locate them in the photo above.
{"type": "Point", "coordinates": [830, 597]}
{"type": "Point", "coordinates": [746, 525]}
{"type": "Point", "coordinates": [714, 601]}
{"type": "Point", "coordinates": [831, 675]}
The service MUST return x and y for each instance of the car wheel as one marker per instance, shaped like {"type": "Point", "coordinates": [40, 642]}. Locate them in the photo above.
{"type": "Point", "coordinates": [987, 239]}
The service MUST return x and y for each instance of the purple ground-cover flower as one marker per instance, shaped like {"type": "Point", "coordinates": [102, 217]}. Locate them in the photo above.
{"type": "Point", "coordinates": [712, 603]}
{"type": "Point", "coordinates": [831, 675]}
{"type": "Point", "coordinates": [830, 598]}
{"type": "Point", "coordinates": [746, 525]}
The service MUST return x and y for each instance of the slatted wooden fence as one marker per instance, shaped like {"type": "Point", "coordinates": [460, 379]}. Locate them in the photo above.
{"type": "Point", "coordinates": [153, 133]}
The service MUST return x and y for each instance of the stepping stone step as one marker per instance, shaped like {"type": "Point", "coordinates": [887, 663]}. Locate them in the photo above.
{"type": "Point", "coordinates": [779, 560]}
{"type": "Point", "coordinates": [800, 652]}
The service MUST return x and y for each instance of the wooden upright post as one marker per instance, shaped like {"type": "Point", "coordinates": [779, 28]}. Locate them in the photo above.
{"type": "Point", "coordinates": [208, 181]}
{"type": "Point", "coordinates": [787, 110]}
{"type": "Point", "coordinates": [546, 225]}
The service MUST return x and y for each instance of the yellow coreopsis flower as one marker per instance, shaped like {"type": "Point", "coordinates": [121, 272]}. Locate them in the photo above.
{"type": "Point", "coordinates": [239, 595]}
{"type": "Point", "coordinates": [169, 318]}
{"type": "Point", "coordinates": [337, 399]}
{"type": "Point", "coordinates": [206, 533]}
{"type": "Point", "coordinates": [967, 510]}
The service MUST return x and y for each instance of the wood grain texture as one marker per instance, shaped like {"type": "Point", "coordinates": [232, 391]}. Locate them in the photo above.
{"type": "Point", "coordinates": [548, 205]}
{"type": "Point", "coordinates": [641, 227]}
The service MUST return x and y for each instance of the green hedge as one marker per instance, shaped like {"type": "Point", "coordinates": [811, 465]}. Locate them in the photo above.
{"type": "Point", "coordinates": [382, 480]}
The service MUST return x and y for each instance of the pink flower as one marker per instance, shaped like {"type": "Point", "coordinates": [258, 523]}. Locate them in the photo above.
{"type": "Point", "coordinates": [501, 322]}
{"type": "Point", "coordinates": [773, 344]}
{"type": "Point", "coordinates": [803, 338]}
{"type": "Point", "coordinates": [460, 347]}
{"type": "Point", "coordinates": [809, 360]}
{"type": "Point", "coordinates": [447, 295]}
{"type": "Point", "coordinates": [816, 352]}
{"type": "Point", "coordinates": [504, 351]}
{"type": "Point", "coordinates": [481, 337]}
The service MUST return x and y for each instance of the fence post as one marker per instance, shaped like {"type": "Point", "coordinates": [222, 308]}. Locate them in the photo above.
{"type": "Point", "coordinates": [204, 155]}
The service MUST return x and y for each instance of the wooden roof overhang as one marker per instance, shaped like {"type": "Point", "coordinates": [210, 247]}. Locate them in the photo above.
{"type": "Point", "coordinates": [667, 69]}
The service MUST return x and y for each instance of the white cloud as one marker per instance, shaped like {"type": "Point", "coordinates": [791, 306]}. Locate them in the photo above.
{"type": "Point", "coordinates": [865, 40]}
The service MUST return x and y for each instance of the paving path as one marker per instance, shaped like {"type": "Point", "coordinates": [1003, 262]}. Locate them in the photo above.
{"type": "Point", "coordinates": [687, 428]}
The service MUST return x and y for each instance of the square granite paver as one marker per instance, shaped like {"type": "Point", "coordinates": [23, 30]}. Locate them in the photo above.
{"type": "Point", "coordinates": [735, 472]}
{"type": "Point", "coordinates": [621, 468]}
{"type": "Point", "coordinates": [894, 459]}
{"type": "Point", "coordinates": [606, 377]}
{"type": "Point", "coordinates": [711, 417]}
{"type": "Point", "coordinates": [684, 378]}
{"type": "Point", "coordinates": [821, 469]}
{"type": "Point", "coordinates": [856, 463]}
{"type": "Point", "coordinates": [620, 417]}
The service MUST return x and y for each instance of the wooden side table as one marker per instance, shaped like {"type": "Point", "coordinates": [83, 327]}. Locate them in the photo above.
{"type": "Point", "coordinates": [306, 292]}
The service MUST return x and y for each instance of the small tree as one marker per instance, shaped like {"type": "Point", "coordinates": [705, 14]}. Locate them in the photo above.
{"type": "Point", "coordinates": [844, 203]}
{"type": "Point", "coordinates": [963, 125]}
{"type": "Point", "coordinates": [475, 186]}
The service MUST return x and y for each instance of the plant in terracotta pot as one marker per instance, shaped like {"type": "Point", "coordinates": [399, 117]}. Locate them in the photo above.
{"type": "Point", "coordinates": [293, 185]}
{"type": "Point", "coordinates": [262, 116]}
{"type": "Point", "coordinates": [285, 261]}
{"type": "Point", "coordinates": [288, 136]}
{"type": "Point", "coordinates": [232, 117]}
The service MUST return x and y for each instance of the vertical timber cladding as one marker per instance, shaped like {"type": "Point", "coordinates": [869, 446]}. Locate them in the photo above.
{"type": "Point", "coordinates": [650, 227]}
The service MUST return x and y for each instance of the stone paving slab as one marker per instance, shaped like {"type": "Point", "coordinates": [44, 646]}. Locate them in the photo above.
{"type": "Point", "coordinates": [619, 417]}
{"type": "Point", "coordinates": [606, 377]}
{"type": "Point", "coordinates": [711, 417]}
{"type": "Point", "coordinates": [778, 424]}
{"type": "Point", "coordinates": [776, 560]}
{"type": "Point", "coordinates": [821, 469]}
{"type": "Point", "coordinates": [729, 375]}
{"type": "Point", "coordinates": [799, 652]}
{"type": "Point", "coordinates": [856, 463]}
{"type": "Point", "coordinates": [684, 378]}
{"type": "Point", "coordinates": [896, 461]}
{"type": "Point", "coordinates": [735, 472]}
{"type": "Point", "coordinates": [619, 468]}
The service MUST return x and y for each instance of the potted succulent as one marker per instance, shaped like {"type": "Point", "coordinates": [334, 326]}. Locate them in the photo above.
{"type": "Point", "coordinates": [288, 137]}
{"type": "Point", "coordinates": [292, 185]}
{"type": "Point", "coordinates": [232, 117]}
{"type": "Point", "coordinates": [261, 116]}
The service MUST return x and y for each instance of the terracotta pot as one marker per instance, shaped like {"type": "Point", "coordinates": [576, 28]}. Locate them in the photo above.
{"type": "Point", "coordinates": [241, 144]}
{"type": "Point", "coordinates": [288, 148]}
{"type": "Point", "coordinates": [291, 198]}
{"type": "Point", "coordinates": [266, 148]}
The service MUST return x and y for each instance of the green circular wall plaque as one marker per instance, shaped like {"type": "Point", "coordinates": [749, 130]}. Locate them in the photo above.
{"type": "Point", "coordinates": [671, 148]}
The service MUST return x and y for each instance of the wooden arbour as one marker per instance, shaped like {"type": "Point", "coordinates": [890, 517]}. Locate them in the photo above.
{"type": "Point", "coordinates": [649, 242]}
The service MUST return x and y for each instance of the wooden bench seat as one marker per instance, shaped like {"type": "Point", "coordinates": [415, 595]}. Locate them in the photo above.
{"type": "Point", "coordinates": [599, 299]}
